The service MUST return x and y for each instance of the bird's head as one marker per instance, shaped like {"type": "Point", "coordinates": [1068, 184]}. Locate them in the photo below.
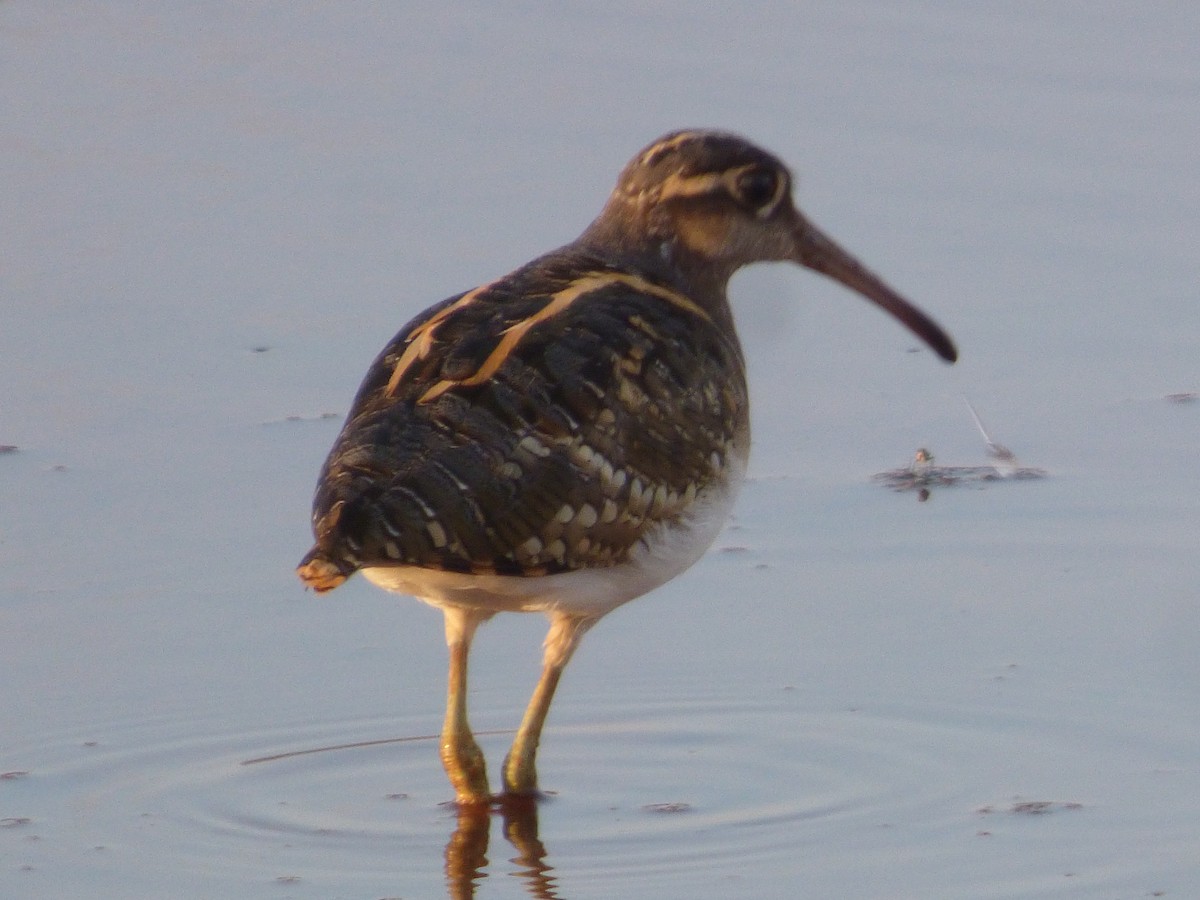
{"type": "Point", "coordinates": [710, 202]}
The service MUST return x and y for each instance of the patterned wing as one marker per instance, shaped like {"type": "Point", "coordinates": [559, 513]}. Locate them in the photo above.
{"type": "Point", "coordinates": [540, 424]}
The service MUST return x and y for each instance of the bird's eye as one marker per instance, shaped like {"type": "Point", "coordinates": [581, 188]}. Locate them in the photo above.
{"type": "Point", "coordinates": [757, 187]}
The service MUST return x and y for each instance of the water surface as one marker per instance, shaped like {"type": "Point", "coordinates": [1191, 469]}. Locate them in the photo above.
{"type": "Point", "coordinates": [216, 215]}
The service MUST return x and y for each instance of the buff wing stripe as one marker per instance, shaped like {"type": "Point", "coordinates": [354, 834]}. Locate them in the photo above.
{"type": "Point", "coordinates": [421, 341]}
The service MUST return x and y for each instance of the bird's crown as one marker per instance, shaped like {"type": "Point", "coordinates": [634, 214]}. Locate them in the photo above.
{"type": "Point", "coordinates": [706, 165]}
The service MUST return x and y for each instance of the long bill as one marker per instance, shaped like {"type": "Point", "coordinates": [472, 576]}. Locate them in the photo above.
{"type": "Point", "coordinates": [816, 251]}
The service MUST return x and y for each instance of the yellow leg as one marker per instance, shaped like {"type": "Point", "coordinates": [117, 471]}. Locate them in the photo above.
{"type": "Point", "coordinates": [461, 756]}
{"type": "Point", "coordinates": [520, 766]}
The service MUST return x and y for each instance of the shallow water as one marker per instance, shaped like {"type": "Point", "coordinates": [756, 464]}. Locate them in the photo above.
{"type": "Point", "coordinates": [217, 215]}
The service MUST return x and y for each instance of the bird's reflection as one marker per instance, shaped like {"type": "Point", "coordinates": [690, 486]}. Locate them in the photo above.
{"type": "Point", "coordinates": [466, 851]}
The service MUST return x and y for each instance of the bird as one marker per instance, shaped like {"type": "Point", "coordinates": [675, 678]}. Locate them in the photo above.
{"type": "Point", "coordinates": [572, 435]}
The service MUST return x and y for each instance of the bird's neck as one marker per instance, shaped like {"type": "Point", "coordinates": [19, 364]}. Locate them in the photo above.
{"type": "Point", "coordinates": [620, 237]}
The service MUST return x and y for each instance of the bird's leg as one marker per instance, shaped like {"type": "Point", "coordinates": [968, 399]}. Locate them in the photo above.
{"type": "Point", "coordinates": [520, 766]}
{"type": "Point", "coordinates": [461, 755]}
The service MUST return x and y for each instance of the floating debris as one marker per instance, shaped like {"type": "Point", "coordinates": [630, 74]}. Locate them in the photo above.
{"type": "Point", "coordinates": [1184, 397]}
{"type": "Point", "coordinates": [8, 448]}
{"type": "Point", "coordinates": [921, 474]}
{"type": "Point", "coordinates": [996, 451]}
{"type": "Point", "coordinates": [667, 808]}
{"type": "Point", "coordinates": [1029, 808]}
{"type": "Point", "coordinates": [321, 417]}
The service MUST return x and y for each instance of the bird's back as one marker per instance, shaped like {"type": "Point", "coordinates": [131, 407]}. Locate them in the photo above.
{"type": "Point", "coordinates": [549, 422]}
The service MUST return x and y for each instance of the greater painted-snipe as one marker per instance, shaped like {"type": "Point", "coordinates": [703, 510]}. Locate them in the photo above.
{"type": "Point", "coordinates": [572, 435]}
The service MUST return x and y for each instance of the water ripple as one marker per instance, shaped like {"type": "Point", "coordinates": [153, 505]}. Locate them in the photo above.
{"type": "Point", "coordinates": [658, 799]}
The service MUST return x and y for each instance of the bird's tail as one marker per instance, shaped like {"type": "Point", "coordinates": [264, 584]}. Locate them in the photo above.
{"type": "Point", "coordinates": [321, 572]}
{"type": "Point", "coordinates": [322, 569]}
